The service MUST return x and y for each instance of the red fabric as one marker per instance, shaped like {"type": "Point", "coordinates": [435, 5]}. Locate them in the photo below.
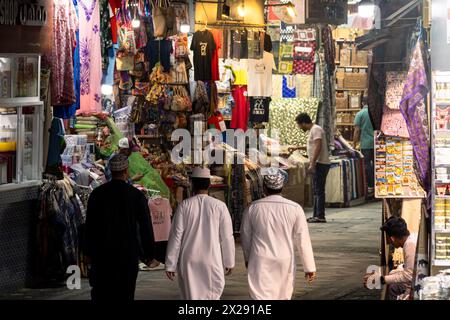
{"type": "Point", "coordinates": [217, 34]}
{"type": "Point", "coordinates": [215, 121]}
{"type": "Point", "coordinates": [241, 110]}
{"type": "Point", "coordinates": [304, 61]}
{"type": "Point", "coordinates": [114, 4]}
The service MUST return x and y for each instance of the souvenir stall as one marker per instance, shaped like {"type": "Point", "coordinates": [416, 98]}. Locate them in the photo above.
{"type": "Point", "coordinates": [398, 112]}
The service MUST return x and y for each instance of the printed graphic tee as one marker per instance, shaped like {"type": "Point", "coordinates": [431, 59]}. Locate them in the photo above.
{"type": "Point", "coordinates": [259, 109]}
{"type": "Point", "coordinates": [203, 46]}
{"type": "Point", "coordinates": [260, 73]}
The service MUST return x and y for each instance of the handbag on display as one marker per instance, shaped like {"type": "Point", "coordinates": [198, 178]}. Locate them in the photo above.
{"type": "Point", "coordinates": [181, 122]}
{"type": "Point", "coordinates": [125, 81]}
{"type": "Point", "coordinates": [181, 101]}
{"type": "Point", "coordinates": [141, 88]}
{"type": "Point", "coordinates": [159, 20]}
{"type": "Point", "coordinates": [124, 61]}
{"type": "Point", "coordinates": [179, 74]}
{"type": "Point", "coordinates": [200, 103]}
{"type": "Point", "coordinates": [181, 47]}
{"type": "Point", "coordinates": [171, 20]}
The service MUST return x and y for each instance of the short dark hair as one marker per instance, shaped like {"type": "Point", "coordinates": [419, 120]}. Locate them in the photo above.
{"type": "Point", "coordinates": [303, 118]}
{"type": "Point", "coordinates": [271, 192]}
{"type": "Point", "coordinates": [395, 227]}
{"type": "Point", "coordinates": [201, 183]}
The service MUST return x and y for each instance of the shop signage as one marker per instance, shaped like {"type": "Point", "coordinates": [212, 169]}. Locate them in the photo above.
{"type": "Point", "coordinates": [26, 13]}
{"type": "Point", "coordinates": [326, 11]}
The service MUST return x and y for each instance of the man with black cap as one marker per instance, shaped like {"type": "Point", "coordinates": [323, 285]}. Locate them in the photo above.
{"type": "Point", "coordinates": [270, 229]}
{"type": "Point", "coordinates": [117, 220]}
{"type": "Point", "coordinates": [201, 243]}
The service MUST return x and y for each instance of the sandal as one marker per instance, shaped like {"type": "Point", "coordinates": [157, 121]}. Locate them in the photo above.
{"type": "Point", "coordinates": [316, 220]}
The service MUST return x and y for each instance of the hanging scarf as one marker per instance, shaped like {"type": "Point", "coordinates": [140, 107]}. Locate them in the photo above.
{"type": "Point", "coordinates": [413, 109]}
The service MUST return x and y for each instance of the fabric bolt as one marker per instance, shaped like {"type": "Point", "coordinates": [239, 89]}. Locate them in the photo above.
{"type": "Point", "coordinates": [201, 224]}
{"type": "Point", "coordinates": [282, 119]}
{"type": "Point", "coordinates": [304, 85]}
{"type": "Point", "coordinates": [260, 73]}
{"type": "Point", "coordinates": [272, 228]}
{"type": "Point", "coordinates": [65, 25]}
{"type": "Point", "coordinates": [304, 53]}
{"type": "Point", "coordinates": [90, 57]}
{"type": "Point", "coordinates": [289, 89]}
{"type": "Point", "coordinates": [413, 109]}
{"type": "Point", "coordinates": [240, 113]}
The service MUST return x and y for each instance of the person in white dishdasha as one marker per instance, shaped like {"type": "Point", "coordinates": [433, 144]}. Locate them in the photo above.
{"type": "Point", "coordinates": [271, 228]}
{"type": "Point", "coordinates": [201, 244]}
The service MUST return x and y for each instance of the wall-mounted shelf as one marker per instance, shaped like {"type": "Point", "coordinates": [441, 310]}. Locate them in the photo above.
{"type": "Point", "coordinates": [345, 124]}
{"type": "Point", "coordinates": [348, 89]}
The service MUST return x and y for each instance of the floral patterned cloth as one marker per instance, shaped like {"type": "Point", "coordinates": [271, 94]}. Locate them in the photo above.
{"type": "Point", "coordinates": [90, 56]}
{"type": "Point", "coordinates": [65, 24]}
{"type": "Point", "coordinates": [282, 118]}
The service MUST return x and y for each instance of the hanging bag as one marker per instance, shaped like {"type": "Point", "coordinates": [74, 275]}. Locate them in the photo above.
{"type": "Point", "coordinates": [124, 61]}
{"type": "Point", "coordinates": [159, 20]}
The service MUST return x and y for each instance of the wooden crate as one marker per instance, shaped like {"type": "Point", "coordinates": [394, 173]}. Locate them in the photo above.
{"type": "Point", "coordinates": [355, 80]}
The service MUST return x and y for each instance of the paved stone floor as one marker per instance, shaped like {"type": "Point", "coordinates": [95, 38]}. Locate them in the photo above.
{"type": "Point", "coordinates": [344, 247]}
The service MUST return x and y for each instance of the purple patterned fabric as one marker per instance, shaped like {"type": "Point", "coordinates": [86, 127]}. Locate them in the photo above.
{"type": "Point", "coordinates": [413, 109]}
{"type": "Point", "coordinates": [85, 64]}
{"type": "Point", "coordinates": [88, 11]}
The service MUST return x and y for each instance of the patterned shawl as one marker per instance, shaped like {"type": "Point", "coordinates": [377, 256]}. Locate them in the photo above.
{"type": "Point", "coordinates": [413, 109]}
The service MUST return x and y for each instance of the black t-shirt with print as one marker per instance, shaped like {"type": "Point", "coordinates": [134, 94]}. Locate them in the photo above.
{"type": "Point", "coordinates": [259, 109]}
{"type": "Point", "coordinates": [203, 46]}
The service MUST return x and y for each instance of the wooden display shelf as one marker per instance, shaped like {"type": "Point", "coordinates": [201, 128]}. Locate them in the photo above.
{"type": "Point", "coordinates": [441, 230]}
{"type": "Point", "coordinates": [348, 89]}
{"type": "Point", "coordinates": [354, 67]}
{"type": "Point", "coordinates": [143, 136]}
{"type": "Point", "coordinates": [441, 263]}
{"type": "Point", "coordinates": [348, 110]}
{"type": "Point", "coordinates": [345, 124]}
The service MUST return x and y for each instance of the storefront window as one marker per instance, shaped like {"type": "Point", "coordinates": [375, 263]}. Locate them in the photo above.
{"type": "Point", "coordinates": [26, 77]}
{"type": "Point", "coordinates": [5, 77]}
{"type": "Point", "coordinates": [8, 145]}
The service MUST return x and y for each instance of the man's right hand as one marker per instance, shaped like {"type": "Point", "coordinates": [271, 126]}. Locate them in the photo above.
{"type": "Point", "coordinates": [310, 277]}
{"type": "Point", "coordinates": [170, 275]}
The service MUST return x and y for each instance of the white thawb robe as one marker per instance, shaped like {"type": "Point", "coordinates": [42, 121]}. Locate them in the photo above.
{"type": "Point", "coordinates": [270, 229]}
{"type": "Point", "coordinates": [201, 245]}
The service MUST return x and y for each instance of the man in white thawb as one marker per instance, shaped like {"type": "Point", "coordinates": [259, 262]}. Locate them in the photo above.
{"type": "Point", "coordinates": [201, 243]}
{"type": "Point", "coordinates": [271, 228]}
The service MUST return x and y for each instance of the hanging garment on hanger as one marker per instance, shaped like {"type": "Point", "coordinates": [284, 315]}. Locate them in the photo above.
{"type": "Point", "coordinates": [65, 24]}
{"type": "Point", "coordinates": [90, 57]}
{"type": "Point", "coordinates": [304, 53]}
{"type": "Point", "coordinates": [217, 35]}
{"type": "Point", "coordinates": [240, 113]}
{"type": "Point", "coordinates": [260, 75]}
{"type": "Point", "coordinates": [289, 86]}
{"type": "Point", "coordinates": [203, 46]}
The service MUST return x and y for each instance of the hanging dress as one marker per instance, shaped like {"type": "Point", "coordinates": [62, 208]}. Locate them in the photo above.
{"type": "Point", "coordinates": [90, 56]}
{"type": "Point", "coordinates": [65, 24]}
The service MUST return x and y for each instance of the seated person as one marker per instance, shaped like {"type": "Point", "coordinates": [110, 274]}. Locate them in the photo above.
{"type": "Point", "coordinates": [399, 280]}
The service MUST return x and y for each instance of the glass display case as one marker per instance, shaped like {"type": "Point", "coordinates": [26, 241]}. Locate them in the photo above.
{"type": "Point", "coordinates": [441, 171]}
{"type": "Point", "coordinates": [21, 119]}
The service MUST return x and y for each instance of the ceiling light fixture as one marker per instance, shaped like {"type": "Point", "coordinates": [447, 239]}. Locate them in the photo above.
{"type": "Point", "coordinates": [241, 11]}
{"type": "Point", "coordinates": [366, 9]}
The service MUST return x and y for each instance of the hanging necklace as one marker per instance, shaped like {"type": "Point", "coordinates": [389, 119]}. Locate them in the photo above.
{"type": "Point", "coordinates": [88, 12]}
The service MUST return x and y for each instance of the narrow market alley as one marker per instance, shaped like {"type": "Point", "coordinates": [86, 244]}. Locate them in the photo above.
{"type": "Point", "coordinates": [343, 248]}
